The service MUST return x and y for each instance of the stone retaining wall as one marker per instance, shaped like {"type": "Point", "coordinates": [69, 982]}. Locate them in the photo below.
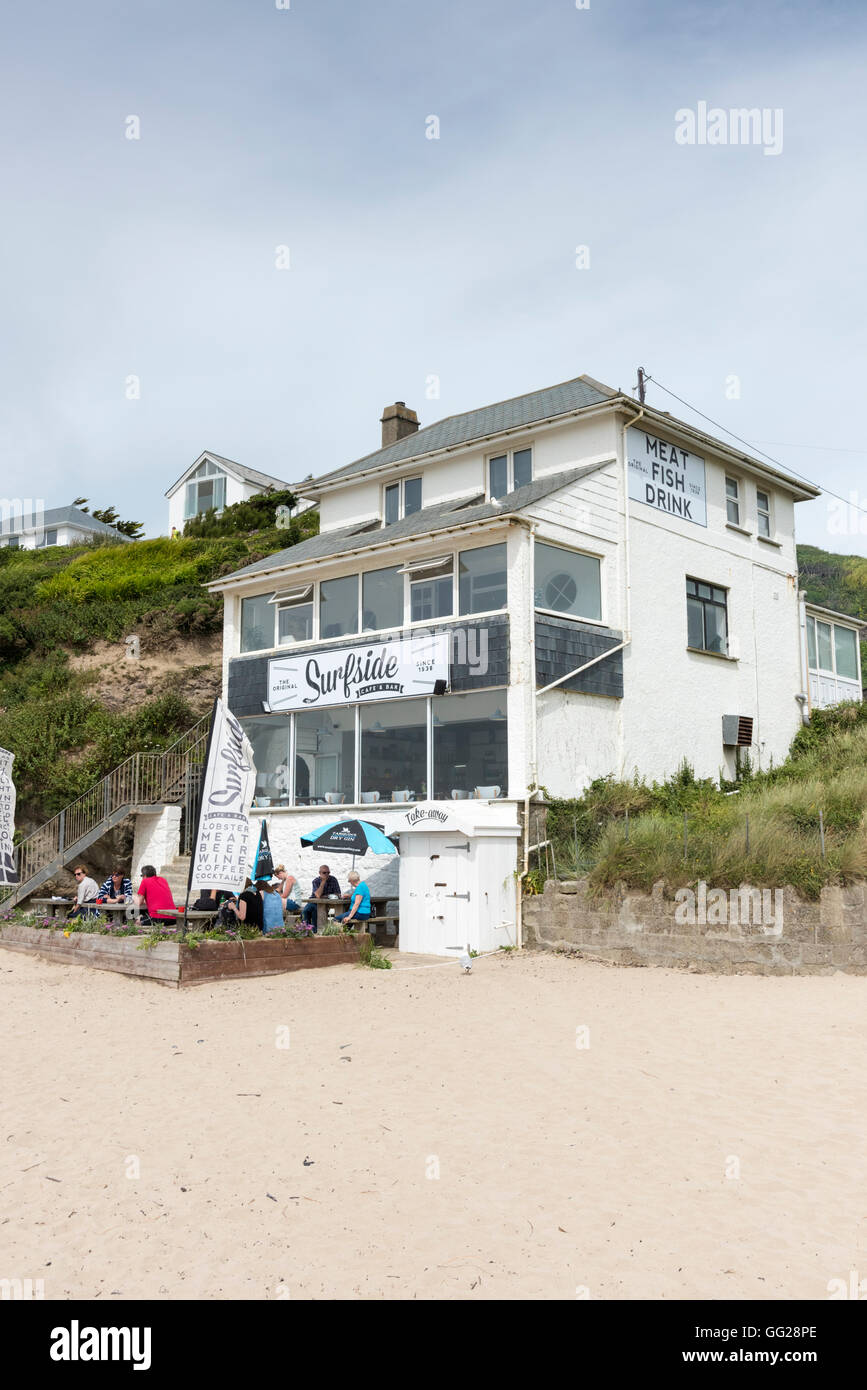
{"type": "Point", "coordinates": [630, 928]}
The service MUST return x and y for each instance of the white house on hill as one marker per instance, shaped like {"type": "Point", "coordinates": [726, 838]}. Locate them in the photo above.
{"type": "Point", "coordinates": [214, 481]}
{"type": "Point", "coordinates": [34, 529]}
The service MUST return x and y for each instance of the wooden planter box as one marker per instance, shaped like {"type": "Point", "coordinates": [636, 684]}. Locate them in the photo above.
{"type": "Point", "coordinates": [172, 964]}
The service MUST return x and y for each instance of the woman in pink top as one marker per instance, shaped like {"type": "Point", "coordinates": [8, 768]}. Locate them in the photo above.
{"type": "Point", "coordinates": [155, 895]}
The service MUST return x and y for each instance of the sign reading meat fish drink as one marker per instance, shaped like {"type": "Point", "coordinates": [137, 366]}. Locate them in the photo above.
{"type": "Point", "coordinates": [666, 477]}
{"type": "Point", "coordinates": [406, 666]}
{"type": "Point", "coordinates": [221, 852]}
{"type": "Point", "coordinates": [8, 872]}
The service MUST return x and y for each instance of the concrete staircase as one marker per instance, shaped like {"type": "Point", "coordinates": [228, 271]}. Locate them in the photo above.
{"type": "Point", "coordinates": [176, 875]}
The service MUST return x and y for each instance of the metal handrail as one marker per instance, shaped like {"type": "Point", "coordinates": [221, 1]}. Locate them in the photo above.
{"type": "Point", "coordinates": [144, 779]}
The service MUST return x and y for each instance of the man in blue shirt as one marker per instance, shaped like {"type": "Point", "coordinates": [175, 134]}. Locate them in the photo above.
{"type": "Point", "coordinates": [359, 902]}
{"type": "Point", "coordinates": [325, 885]}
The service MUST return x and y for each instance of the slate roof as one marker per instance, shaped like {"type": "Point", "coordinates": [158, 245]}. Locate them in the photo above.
{"type": "Point", "coordinates": [441, 516]}
{"type": "Point", "coordinates": [478, 424]}
{"type": "Point", "coordinates": [71, 516]}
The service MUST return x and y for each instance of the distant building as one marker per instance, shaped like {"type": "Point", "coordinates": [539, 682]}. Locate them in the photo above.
{"type": "Point", "coordinates": [833, 656]}
{"type": "Point", "coordinates": [214, 481]}
{"type": "Point", "coordinates": [34, 529]}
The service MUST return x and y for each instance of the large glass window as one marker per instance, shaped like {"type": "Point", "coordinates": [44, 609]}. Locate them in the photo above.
{"type": "Point", "coordinates": [257, 623]}
{"type": "Point", "coordinates": [394, 750]}
{"type": "Point", "coordinates": [206, 489]}
{"type": "Point", "coordinates": [470, 745]}
{"type": "Point", "coordinates": [392, 504]}
{"type": "Point", "coordinates": [823, 640]}
{"type": "Point", "coordinates": [567, 582]}
{"type": "Point", "coordinates": [325, 757]}
{"type": "Point", "coordinates": [338, 607]}
{"type": "Point", "coordinates": [846, 653]}
{"type": "Point", "coordinates": [294, 623]}
{"type": "Point", "coordinates": [707, 619]}
{"type": "Point", "coordinates": [382, 599]}
{"type": "Point", "coordinates": [482, 579]}
{"type": "Point", "coordinates": [270, 740]}
{"type": "Point", "coordinates": [411, 496]}
{"type": "Point", "coordinates": [430, 590]}
{"type": "Point", "coordinates": [498, 476]}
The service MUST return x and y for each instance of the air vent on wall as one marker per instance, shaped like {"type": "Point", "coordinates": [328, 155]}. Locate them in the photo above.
{"type": "Point", "coordinates": [737, 730]}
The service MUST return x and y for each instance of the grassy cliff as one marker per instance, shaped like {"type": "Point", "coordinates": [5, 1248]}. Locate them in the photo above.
{"type": "Point", "coordinates": [71, 706]}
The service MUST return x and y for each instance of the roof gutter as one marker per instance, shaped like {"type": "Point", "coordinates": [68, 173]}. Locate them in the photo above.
{"type": "Point", "coordinates": [468, 527]}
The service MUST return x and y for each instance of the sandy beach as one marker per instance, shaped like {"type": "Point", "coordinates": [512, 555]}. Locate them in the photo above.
{"type": "Point", "coordinates": [708, 1143]}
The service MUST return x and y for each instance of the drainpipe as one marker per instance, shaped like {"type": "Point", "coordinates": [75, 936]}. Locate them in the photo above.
{"type": "Point", "coordinates": [804, 698]}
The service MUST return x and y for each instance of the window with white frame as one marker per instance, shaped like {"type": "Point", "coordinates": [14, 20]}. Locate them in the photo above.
{"type": "Point", "coordinates": [567, 582]}
{"type": "Point", "coordinates": [401, 499]}
{"type": "Point", "coordinates": [205, 489]}
{"type": "Point", "coordinates": [763, 513]}
{"type": "Point", "coordinates": [509, 471]}
{"type": "Point", "coordinates": [381, 599]}
{"type": "Point", "coordinates": [453, 747]}
{"type": "Point", "coordinates": [482, 579]}
{"type": "Point", "coordinates": [832, 649]}
{"type": "Point", "coordinates": [257, 623]}
{"type": "Point", "coordinates": [431, 589]}
{"type": "Point", "coordinates": [338, 607]}
{"type": "Point", "coordinates": [733, 501]}
{"type": "Point", "coordinates": [294, 615]}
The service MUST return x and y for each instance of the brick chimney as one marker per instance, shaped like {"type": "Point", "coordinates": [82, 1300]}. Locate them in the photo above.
{"type": "Point", "coordinates": [397, 422]}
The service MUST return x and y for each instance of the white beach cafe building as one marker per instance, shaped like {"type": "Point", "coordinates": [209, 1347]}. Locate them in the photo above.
{"type": "Point", "coordinates": [530, 595]}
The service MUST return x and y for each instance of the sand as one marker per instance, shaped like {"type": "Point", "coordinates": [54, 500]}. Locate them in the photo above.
{"type": "Point", "coordinates": [310, 1171]}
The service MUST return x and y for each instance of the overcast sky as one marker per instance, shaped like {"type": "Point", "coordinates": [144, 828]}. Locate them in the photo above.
{"type": "Point", "coordinates": [410, 257]}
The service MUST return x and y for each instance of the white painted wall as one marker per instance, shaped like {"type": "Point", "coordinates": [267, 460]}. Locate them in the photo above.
{"type": "Point", "coordinates": [156, 840]}
{"type": "Point", "coordinates": [462, 473]}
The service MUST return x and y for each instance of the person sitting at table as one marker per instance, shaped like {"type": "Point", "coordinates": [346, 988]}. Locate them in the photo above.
{"type": "Point", "coordinates": [325, 885]}
{"type": "Point", "coordinates": [116, 889]}
{"type": "Point", "coordinates": [359, 901]}
{"type": "Point", "coordinates": [88, 892]}
{"type": "Point", "coordinates": [247, 908]}
{"type": "Point", "coordinates": [155, 897]}
{"type": "Point", "coordinates": [286, 882]}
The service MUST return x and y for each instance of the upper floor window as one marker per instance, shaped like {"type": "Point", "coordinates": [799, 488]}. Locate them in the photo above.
{"type": "Point", "coordinates": [506, 472]}
{"type": "Point", "coordinates": [431, 589]}
{"type": "Point", "coordinates": [402, 499]}
{"type": "Point", "coordinates": [205, 489]}
{"type": "Point", "coordinates": [338, 607]}
{"type": "Point", "coordinates": [706, 617]}
{"type": "Point", "coordinates": [763, 512]}
{"type": "Point", "coordinates": [733, 502]}
{"type": "Point", "coordinates": [567, 582]}
{"type": "Point", "coordinates": [294, 615]}
{"type": "Point", "coordinates": [381, 599]}
{"type": "Point", "coordinates": [482, 579]}
{"type": "Point", "coordinates": [257, 623]}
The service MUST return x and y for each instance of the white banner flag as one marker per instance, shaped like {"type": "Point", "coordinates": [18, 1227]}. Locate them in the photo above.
{"type": "Point", "coordinates": [221, 855]}
{"type": "Point", "coordinates": [8, 872]}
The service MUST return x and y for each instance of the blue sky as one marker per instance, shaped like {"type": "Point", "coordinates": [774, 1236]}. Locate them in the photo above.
{"type": "Point", "coordinates": [412, 257]}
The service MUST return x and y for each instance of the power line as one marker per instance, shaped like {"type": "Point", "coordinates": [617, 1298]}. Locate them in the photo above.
{"type": "Point", "coordinates": [847, 502]}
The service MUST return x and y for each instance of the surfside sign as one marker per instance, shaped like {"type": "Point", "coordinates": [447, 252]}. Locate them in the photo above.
{"type": "Point", "coordinates": [344, 676]}
{"type": "Point", "coordinates": [666, 477]}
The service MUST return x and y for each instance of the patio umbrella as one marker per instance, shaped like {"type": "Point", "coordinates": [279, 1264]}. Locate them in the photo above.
{"type": "Point", "coordinates": [350, 837]}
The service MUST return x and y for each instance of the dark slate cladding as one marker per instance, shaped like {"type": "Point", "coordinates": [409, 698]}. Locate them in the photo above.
{"type": "Point", "coordinates": [562, 644]}
{"type": "Point", "coordinates": [485, 662]}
